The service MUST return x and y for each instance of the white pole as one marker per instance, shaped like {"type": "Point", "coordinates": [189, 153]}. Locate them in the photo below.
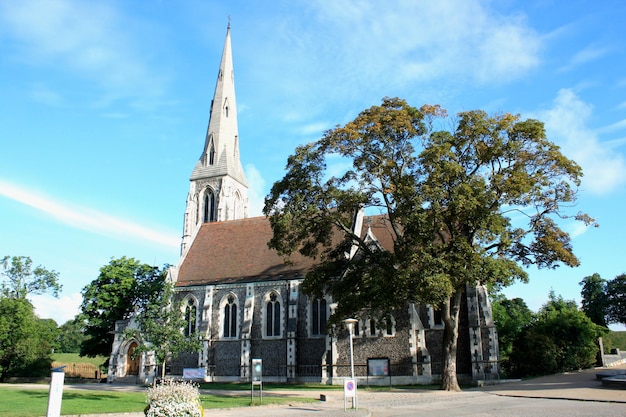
{"type": "Point", "coordinates": [350, 324]}
{"type": "Point", "coordinates": [55, 394]}
{"type": "Point", "coordinates": [351, 355]}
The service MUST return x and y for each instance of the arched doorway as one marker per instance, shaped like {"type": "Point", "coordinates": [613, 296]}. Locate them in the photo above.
{"type": "Point", "coordinates": [132, 365]}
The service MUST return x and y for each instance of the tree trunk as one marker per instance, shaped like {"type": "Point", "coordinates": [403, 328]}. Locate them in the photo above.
{"type": "Point", "coordinates": [450, 314]}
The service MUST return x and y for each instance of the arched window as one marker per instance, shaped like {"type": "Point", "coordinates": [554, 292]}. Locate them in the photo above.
{"type": "Point", "coordinates": [358, 328]}
{"type": "Point", "coordinates": [437, 318]}
{"type": "Point", "coordinates": [226, 108]}
{"type": "Point", "coordinates": [272, 316]}
{"type": "Point", "coordinates": [318, 317]}
{"type": "Point", "coordinates": [229, 329]}
{"type": "Point", "coordinates": [209, 207]}
{"type": "Point", "coordinates": [390, 326]}
{"type": "Point", "coordinates": [191, 313]}
{"type": "Point", "coordinates": [373, 330]}
{"type": "Point", "coordinates": [211, 152]}
{"type": "Point", "coordinates": [238, 208]}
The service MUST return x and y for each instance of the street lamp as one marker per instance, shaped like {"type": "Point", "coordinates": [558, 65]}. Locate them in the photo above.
{"type": "Point", "coordinates": [350, 324]}
{"type": "Point", "coordinates": [352, 384]}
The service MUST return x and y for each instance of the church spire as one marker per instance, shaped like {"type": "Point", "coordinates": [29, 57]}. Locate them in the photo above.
{"type": "Point", "coordinates": [221, 149]}
{"type": "Point", "coordinates": [218, 189]}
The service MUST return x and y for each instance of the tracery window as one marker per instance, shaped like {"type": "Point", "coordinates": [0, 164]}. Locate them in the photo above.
{"type": "Point", "coordinates": [272, 316]}
{"type": "Point", "coordinates": [209, 207]}
{"type": "Point", "coordinates": [229, 329]}
{"type": "Point", "coordinates": [191, 313]}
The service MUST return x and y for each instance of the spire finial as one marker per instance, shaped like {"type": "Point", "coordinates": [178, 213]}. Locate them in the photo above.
{"type": "Point", "coordinates": [228, 22]}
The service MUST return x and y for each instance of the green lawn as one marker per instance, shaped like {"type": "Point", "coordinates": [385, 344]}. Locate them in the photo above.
{"type": "Point", "coordinates": [614, 340]}
{"type": "Point", "coordinates": [74, 358]}
{"type": "Point", "coordinates": [26, 402]}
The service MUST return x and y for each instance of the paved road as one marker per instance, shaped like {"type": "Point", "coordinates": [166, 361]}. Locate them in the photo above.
{"type": "Point", "coordinates": [576, 394]}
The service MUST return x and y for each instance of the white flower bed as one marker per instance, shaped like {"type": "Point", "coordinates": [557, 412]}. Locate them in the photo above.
{"type": "Point", "coordinates": [174, 399]}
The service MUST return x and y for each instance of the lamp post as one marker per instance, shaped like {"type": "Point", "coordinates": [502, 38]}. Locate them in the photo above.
{"type": "Point", "coordinates": [350, 386]}
{"type": "Point", "coordinates": [350, 324]}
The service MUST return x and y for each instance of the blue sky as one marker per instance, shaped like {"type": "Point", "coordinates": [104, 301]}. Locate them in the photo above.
{"type": "Point", "coordinates": [104, 107]}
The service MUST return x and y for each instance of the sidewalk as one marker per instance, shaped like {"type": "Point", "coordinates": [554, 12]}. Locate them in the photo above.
{"type": "Point", "coordinates": [579, 386]}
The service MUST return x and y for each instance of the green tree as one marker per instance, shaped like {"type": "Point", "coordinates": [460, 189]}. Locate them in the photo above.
{"type": "Point", "coordinates": [561, 339]}
{"type": "Point", "coordinates": [21, 280]}
{"type": "Point", "coordinates": [26, 342]}
{"type": "Point", "coordinates": [123, 286]}
{"type": "Point", "coordinates": [510, 317]}
{"type": "Point", "coordinates": [616, 299]}
{"type": "Point", "coordinates": [160, 325]}
{"type": "Point", "coordinates": [71, 336]}
{"type": "Point", "coordinates": [594, 298]}
{"type": "Point", "coordinates": [448, 199]}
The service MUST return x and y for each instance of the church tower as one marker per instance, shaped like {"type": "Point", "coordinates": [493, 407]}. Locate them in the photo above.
{"type": "Point", "coordinates": [218, 188]}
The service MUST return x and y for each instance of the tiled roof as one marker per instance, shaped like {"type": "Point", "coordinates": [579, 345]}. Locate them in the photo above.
{"type": "Point", "coordinates": [236, 251]}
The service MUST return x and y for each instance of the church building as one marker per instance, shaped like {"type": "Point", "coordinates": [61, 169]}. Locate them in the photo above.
{"type": "Point", "coordinates": [247, 303]}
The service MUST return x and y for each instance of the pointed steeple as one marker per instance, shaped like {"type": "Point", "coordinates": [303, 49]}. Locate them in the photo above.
{"type": "Point", "coordinates": [221, 149]}
{"type": "Point", "coordinates": [218, 190]}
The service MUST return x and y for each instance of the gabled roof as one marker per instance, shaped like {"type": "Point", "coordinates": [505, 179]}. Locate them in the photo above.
{"type": "Point", "coordinates": [236, 251]}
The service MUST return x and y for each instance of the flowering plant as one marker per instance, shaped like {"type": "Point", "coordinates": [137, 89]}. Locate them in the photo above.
{"type": "Point", "coordinates": [174, 399]}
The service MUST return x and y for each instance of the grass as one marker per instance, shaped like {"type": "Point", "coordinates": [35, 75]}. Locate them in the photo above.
{"type": "Point", "coordinates": [26, 402]}
{"type": "Point", "coordinates": [74, 358]}
{"type": "Point", "coordinates": [614, 340]}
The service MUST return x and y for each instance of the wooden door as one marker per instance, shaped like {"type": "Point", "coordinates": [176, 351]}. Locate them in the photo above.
{"type": "Point", "coordinates": [132, 365]}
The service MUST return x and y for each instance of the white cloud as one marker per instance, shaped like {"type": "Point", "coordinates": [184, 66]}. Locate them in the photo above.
{"type": "Point", "coordinates": [316, 129]}
{"type": "Point", "coordinates": [429, 40]}
{"type": "Point", "coordinates": [613, 127]}
{"type": "Point", "coordinates": [90, 40]}
{"type": "Point", "coordinates": [354, 51]}
{"type": "Point", "coordinates": [60, 309]}
{"type": "Point", "coordinates": [577, 228]}
{"type": "Point", "coordinates": [566, 123]}
{"type": "Point", "coordinates": [588, 54]}
{"type": "Point", "coordinates": [87, 219]}
{"type": "Point", "coordinates": [256, 191]}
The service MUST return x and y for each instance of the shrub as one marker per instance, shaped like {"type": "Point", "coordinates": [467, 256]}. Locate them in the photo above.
{"type": "Point", "coordinates": [560, 339]}
{"type": "Point", "coordinates": [174, 399]}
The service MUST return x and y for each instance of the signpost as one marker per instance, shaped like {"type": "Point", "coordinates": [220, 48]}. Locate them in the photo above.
{"type": "Point", "coordinates": [55, 395]}
{"type": "Point", "coordinates": [257, 378]}
{"type": "Point", "coordinates": [349, 391]}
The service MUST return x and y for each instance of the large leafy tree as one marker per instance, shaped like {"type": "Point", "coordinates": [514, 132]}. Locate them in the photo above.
{"type": "Point", "coordinates": [594, 298]}
{"type": "Point", "coordinates": [616, 299]}
{"type": "Point", "coordinates": [160, 328]}
{"type": "Point", "coordinates": [71, 336]}
{"type": "Point", "coordinates": [123, 286]}
{"type": "Point", "coordinates": [26, 341]}
{"type": "Point", "coordinates": [510, 316]}
{"type": "Point", "coordinates": [449, 198]}
{"type": "Point", "coordinates": [21, 280]}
